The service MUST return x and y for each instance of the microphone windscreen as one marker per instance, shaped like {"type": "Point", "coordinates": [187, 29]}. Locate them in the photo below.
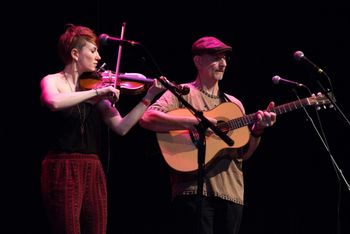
{"type": "Point", "coordinates": [185, 90]}
{"type": "Point", "coordinates": [103, 38]}
{"type": "Point", "coordinates": [276, 79]}
{"type": "Point", "coordinates": [298, 55]}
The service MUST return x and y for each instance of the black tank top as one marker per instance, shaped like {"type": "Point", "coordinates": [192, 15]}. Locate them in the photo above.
{"type": "Point", "coordinates": [76, 129]}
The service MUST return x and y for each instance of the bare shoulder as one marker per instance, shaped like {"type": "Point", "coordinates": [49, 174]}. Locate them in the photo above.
{"type": "Point", "coordinates": [54, 80]}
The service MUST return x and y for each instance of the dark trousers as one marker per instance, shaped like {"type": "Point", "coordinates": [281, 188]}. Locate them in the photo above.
{"type": "Point", "coordinates": [74, 193]}
{"type": "Point", "coordinates": [216, 216]}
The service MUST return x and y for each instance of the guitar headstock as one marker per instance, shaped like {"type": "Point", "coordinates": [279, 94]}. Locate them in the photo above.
{"type": "Point", "coordinates": [320, 101]}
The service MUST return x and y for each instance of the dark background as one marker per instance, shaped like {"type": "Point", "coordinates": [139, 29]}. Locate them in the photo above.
{"type": "Point", "coordinates": [291, 184]}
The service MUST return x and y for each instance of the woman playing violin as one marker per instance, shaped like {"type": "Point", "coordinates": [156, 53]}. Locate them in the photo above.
{"type": "Point", "coordinates": [73, 179]}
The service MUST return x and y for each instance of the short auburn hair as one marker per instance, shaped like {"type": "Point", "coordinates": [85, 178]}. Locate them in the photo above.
{"type": "Point", "coordinates": [75, 36]}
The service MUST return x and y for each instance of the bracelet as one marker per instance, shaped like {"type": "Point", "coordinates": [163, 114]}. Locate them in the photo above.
{"type": "Point", "coordinates": [96, 91]}
{"type": "Point", "coordinates": [145, 102]}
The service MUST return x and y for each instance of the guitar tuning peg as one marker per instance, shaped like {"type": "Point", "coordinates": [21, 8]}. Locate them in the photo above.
{"type": "Point", "coordinates": [318, 108]}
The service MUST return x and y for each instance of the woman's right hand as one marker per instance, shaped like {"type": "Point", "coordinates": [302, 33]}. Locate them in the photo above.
{"type": "Point", "coordinates": [108, 92]}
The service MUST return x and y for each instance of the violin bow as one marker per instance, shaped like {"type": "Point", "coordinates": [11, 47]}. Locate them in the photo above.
{"type": "Point", "coordinates": [118, 58]}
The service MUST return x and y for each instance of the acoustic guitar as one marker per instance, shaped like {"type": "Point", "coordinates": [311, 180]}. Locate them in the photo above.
{"type": "Point", "coordinates": [179, 149]}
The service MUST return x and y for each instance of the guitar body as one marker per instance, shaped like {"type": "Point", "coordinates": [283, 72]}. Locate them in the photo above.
{"type": "Point", "coordinates": [179, 150]}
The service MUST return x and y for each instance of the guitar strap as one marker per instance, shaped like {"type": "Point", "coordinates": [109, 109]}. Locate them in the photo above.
{"type": "Point", "coordinates": [223, 97]}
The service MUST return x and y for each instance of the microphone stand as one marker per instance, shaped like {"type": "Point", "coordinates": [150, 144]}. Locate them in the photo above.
{"type": "Point", "coordinates": [204, 123]}
{"type": "Point", "coordinates": [339, 172]}
{"type": "Point", "coordinates": [300, 55]}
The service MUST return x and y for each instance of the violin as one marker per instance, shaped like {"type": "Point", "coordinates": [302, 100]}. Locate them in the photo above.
{"type": "Point", "coordinates": [128, 83]}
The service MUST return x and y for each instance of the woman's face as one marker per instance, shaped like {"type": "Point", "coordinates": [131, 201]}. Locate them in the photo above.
{"type": "Point", "coordinates": [88, 58]}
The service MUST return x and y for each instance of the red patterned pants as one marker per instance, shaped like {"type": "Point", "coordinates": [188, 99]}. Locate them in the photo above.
{"type": "Point", "coordinates": [74, 193]}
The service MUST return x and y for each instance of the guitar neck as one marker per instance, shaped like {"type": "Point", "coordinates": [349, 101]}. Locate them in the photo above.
{"type": "Point", "coordinates": [251, 118]}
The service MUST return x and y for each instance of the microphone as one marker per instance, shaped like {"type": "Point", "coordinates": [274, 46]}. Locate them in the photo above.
{"type": "Point", "coordinates": [104, 38]}
{"type": "Point", "coordinates": [183, 90]}
{"type": "Point", "coordinates": [278, 80]}
{"type": "Point", "coordinates": [180, 89]}
{"type": "Point", "coordinates": [299, 55]}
